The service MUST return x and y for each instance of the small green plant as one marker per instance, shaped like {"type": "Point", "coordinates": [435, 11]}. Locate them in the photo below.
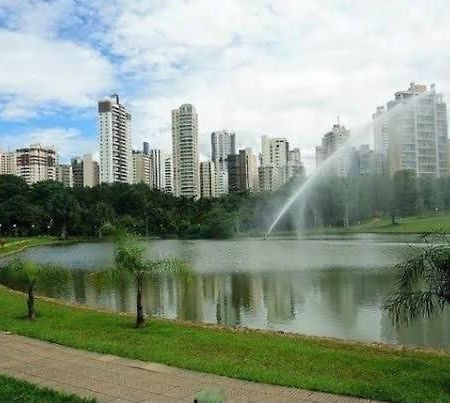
{"type": "Point", "coordinates": [129, 258]}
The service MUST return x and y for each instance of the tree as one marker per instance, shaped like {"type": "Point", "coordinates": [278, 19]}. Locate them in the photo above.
{"type": "Point", "coordinates": [63, 208]}
{"type": "Point", "coordinates": [129, 257]}
{"type": "Point", "coordinates": [423, 285]}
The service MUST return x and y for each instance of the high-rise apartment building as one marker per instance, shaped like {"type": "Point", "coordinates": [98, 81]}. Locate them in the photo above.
{"type": "Point", "coordinates": [273, 170]}
{"type": "Point", "coordinates": [168, 173]}
{"type": "Point", "coordinates": [64, 175]}
{"type": "Point", "coordinates": [141, 168]}
{"type": "Point", "coordinates": [223, 144]}
{"type": "Point", "coordinates": [36, 163]}
{"type": "Point", "coordinates": [413, 132]}
{"type": "Point", "coordinates": [116, 163]}
{"type": "Point", "coordinates": [208, 182]}
{"type": "Point", "coordinates": [7, 163]}
{"type": "Point", "coordinates": [185, 151]}
{"type": "Point", "coordinates": [242, 171]}
{"type": "Point", "coordinates": [157, 169]}
{"type": "Point", "coordinates": [85, 171]}
{"type": "Point", "coordinates": [331, 142]}
{"type": "Point", "coordinates": [295, 165]}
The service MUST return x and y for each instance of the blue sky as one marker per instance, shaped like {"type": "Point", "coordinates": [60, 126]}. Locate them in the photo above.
{"type": "Point", "coordinates": [283, 68]}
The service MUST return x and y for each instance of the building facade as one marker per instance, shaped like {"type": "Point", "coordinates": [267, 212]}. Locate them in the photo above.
{"type": "Point", "coordinates": [242, 171]}
{"type": "Point", "coordinates": [116, 164]}
{"type": "Point", "coordinates": [8, 163]}
{"type": "Point", "coordinates": [141, 168]}
{"type": "Point", "coordinates": [185, 152]}
{"type": "Point", "coordinates": [64, 175]}
{"type": "Point", "coordinates": [157, 169]}
{"type": "Point", "coordinates": [168, 173]}
{"type": "Point", "coordinates": [223, 144]}
{"type": "Point", "coordinates": [331, 142]}
{"type": "Point", "coordinates": [208, 180]}
{"type": "Point", "coordinates": [36, 163]}
{"type": "Point", "coordinates": [85, 171]}
{"type": "Point", "coordinates": [415, 133]}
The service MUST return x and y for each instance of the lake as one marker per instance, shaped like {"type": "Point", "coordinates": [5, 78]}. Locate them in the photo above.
{"type": "Point", "coordinates": [325, 285]}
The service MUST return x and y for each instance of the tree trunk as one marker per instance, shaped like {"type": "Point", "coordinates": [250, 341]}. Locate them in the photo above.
{"type": "Point", "coordinates": [30, 303]}
{"type": "Point", "coordinates": [64, 232]}
{"type": "Point", "coordinates": [393, 219]}
{"type": "Point", "coordinates": [140, 321]}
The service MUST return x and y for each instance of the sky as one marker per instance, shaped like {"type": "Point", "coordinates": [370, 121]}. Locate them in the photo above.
{"type": "Point", "coordinates": [284, 68]}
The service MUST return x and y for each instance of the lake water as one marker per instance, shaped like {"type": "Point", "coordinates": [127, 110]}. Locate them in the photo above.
{"type": "Point", "coordinates": [325, 286]}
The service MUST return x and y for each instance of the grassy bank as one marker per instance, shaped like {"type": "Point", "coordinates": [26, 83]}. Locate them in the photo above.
{"type": "Point", "coordinates": [325, 365]}
{"type": "Point", "coordinates": [405, 225]}
{"type": "Point", "coordinates": [14, 245]}
{"type": "Point", "coordinates": [14, 390]}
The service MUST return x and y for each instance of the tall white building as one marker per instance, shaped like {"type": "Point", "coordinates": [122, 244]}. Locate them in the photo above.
{"type": "Point", "coordinates": [414, 132]}
{"type": "Point", "coordinates": [157, 169]}
{"type": "Point", "coordinates": [273, 170]}
{"type": "Point", "coordinates": [185, 152]}
{"type": "Point", "coordinates": [8, 163]}
{"type": "Point", "coordinates": [208, 180]}
{"type": "Point", "coordinates": [36, 163]}
{"type": "Point", "coordinates": [223, 144]}
{"type": "Point", "coordinates": [116, 163]}
{"type": "Point", "coordinates": [331, 142]}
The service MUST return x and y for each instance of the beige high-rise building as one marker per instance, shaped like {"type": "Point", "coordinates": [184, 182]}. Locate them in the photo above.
{"type": "Point", "coordinates": [116, 163]}
{"type": "Point", "coordinates": [331, 142]}
{"type": "Point", "coordinates": [414, 133]}
{"type": "Point", "coordinates": [36, 163]}
{"type": "Point", "coordinates": [64, 175]}
{"type": "Point", "coordinates": [185, 152]}
{"type": "Point", "coordinates": [208, 180]}
{"type": "Point", "coordinates": [141, 168]}
{"type": "Point", "coordinates": [8, 163]}
{"type": "Point", "coordinates": [85, 171]}
{"type": "Point", "coordinates": [273, 171]}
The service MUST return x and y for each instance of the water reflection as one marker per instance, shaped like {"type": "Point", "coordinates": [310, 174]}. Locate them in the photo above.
{"type": "Point", "coordinates": [326, 287]}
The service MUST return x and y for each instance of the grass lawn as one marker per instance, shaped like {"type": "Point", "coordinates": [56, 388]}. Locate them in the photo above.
{"type": "Point", "coordinates": [416, 224]}
{"type": "Point", "coordinates": [13, 245]}
{"type": "Point", "coordinates": [14, 390]}
{"type": "Point", "coordinates": [311, 363]}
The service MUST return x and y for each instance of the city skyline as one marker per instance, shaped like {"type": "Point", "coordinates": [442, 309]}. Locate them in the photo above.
{"type": "Point", "coordinates": [256, 76]}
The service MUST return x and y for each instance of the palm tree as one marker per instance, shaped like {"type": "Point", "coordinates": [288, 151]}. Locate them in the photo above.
{"type": "Point", "coordinates": [129, 257]}
{"type": "Point", "coordinates": [423, 285]}
{"type": "Point", "coordinates": [27, 276]}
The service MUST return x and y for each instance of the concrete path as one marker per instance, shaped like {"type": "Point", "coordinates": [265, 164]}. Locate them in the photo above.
{"type": "Point", "coordinates": [108, 378]}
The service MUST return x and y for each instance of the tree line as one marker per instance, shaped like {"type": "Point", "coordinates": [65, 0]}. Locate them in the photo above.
{"type": "Point", "coordinates": [50, 208]}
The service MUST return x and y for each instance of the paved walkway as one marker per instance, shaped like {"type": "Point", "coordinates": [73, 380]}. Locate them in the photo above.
{"type": "Point", "coordinates": [109, 378]}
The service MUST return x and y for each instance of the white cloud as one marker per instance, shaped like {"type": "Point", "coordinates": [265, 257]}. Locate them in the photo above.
{"type": "Point", "coordinates": [279, 67]}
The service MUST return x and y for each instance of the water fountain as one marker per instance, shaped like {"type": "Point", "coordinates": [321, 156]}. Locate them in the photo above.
{"type": "Point", "coordinates": [354, 140]}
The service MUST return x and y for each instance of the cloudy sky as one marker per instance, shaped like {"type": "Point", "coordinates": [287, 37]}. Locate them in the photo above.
{"type": "Point", "coordinates": [284, 68]}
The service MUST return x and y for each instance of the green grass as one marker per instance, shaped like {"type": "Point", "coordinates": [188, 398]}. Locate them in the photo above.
{"type": "Point", "coordinates": [405, 225]}
{"type": "Point", "coordinates": [311, 363]}
{"type": "Point", "coordinates": [14, 390]}
{"type": "Point", "coordinates": [14, 245]}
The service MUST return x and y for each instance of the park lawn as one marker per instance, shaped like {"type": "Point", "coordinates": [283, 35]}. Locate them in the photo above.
{"type": "Point", "coordinates": [355, 369]}
{"type": "Point", "coordinates": [14, 245]}
{"type": "Point", "coordinates": [14, 390]}
{"type": "Point", "coordinates": [417, 224]}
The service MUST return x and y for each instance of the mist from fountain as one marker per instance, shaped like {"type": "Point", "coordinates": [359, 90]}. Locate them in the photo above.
{"type": "Point", "coordinates": [355, 139]}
